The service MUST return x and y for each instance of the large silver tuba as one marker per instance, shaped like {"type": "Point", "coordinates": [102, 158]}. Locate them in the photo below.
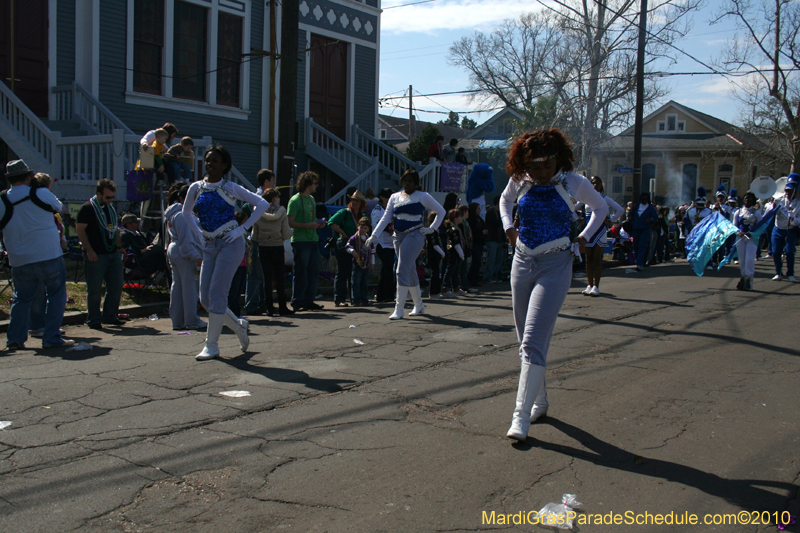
{"type": "Point", "coordinates": [763, 187]}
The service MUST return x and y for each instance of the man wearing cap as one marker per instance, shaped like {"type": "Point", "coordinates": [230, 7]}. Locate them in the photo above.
{"type": "Point", "coordinates": [384, 249]}
{"type": "Point", "coordinates": [696, 213]}
{"type": "Point", "coordinates": [151, 256]}
{"type": "Point", "coordinates": [97, 229]}
{"type": "Point", "coordinates": [784, 234]}
{"type": "Point", "coordinates": [34, 253]}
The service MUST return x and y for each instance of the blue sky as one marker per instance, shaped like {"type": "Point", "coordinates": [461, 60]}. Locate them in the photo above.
{"type": "Point", "coordinates": [415, 42]}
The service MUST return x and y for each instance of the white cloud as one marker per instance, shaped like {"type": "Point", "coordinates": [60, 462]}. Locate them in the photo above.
{"type": "Point", "coordinates": [451, 15]}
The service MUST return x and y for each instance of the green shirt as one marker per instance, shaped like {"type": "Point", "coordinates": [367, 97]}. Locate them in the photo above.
{"type": "Point", "coordinates": [303, 209]}
{"type": "Point", "coordinates": [345, 221]}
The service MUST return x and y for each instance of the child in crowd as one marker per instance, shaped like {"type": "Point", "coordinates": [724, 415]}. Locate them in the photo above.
{"type": "Point", "coordinates": [363, 261]}
{"type": "Point", "coordinates": [455, 253]}
{"type": "Point", "coordinates": [176, 160]}
{"type": "Point", "coordinates": [434, 253]}
{"type": "Point", "coordinates": [466, 245]}
{"type": "Point", "coordinates": [160, 147]}
{"type": "Point", "coordinates": [240, 278]}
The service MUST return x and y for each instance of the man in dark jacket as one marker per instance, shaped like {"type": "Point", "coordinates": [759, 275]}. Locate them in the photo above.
{"type": "Point", "coordinates": [643, 216]}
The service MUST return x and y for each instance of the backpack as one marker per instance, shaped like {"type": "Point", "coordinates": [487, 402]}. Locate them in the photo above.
{"type": "Point", "coordinates": [9, 205]}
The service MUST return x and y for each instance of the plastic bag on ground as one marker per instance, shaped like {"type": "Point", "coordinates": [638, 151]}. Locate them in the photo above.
{"type": "Point", "coordinates": [559, 515]}
{"type": "Point", "coordinates": [80, 347]}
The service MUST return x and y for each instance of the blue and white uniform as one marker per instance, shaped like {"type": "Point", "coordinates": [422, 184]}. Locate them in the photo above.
{"type": "Point", "coordinates": [541, 274]}
{"type": "Point", "coordinates": [215, 204]}
{"type": "Point", "coordinates": [407, 213]}
{"type": "Point", "coordinates": [614, 213]}
{"type": "Point", "coordinates": [745, 218]}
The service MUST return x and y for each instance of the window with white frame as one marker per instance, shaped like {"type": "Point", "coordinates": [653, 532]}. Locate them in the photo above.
{"type": "Point", "coordinates": [190, 50]}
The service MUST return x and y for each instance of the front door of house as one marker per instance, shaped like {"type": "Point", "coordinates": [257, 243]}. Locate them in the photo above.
{"type": "Point", "coordinates": [327, 100]}
{"type": "Point", "coordinates": [23, 59]}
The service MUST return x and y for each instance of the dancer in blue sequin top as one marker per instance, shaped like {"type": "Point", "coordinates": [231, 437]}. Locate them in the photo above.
{"type": "Point", "coordinates": [546, 191]}
{"type": "Point", "coordinates": [213, 200]}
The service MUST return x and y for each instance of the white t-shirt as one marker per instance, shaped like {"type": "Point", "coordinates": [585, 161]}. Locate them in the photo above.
{"type": "Point", "coordinates": [31, 235]}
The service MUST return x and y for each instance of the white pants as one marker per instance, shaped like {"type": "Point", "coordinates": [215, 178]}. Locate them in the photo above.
{"type": "Point", "coordinates": [746, 248]}
{"type": "Point", "coordinates": [184, 292]}
{"type": "Point", "coordinates": [220, 261]}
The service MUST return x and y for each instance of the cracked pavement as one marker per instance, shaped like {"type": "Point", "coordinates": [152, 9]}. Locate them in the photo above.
{"type": "Point", "coordinates": [669, 393]}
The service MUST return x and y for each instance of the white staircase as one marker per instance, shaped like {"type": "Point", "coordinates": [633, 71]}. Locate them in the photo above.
{"type": "Point", "coordinates": [77, 162]}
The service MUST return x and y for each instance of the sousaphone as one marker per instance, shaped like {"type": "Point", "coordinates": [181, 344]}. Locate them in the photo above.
{"type": "Point", "coordinates": [781, 185]}
{"type": "Point", "coordinates": [764, 187]}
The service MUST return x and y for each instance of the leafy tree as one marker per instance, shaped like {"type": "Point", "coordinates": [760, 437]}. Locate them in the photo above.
{"type": "Point", "coordinates": [452, 120]}
{"type": "Point", "coordinates": [418, 148]}
{"type": "Point", "coordinates": [468, 124]}
{"type": "Point", "coordinates": [767, 47]}
{"type": "Point", "coordinates": [581, 52]}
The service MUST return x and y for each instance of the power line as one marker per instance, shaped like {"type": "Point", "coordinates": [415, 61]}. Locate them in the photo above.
{"type": "Point", "coordinates": [409, 4]}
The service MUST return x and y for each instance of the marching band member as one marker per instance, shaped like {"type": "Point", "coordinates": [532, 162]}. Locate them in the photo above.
{"type": "Point", "coordinates": [744, 219]}
{"type": "Point", "coordinates": [784, 234]}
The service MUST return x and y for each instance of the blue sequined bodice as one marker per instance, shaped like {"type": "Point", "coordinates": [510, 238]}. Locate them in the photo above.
{"type": "Point", "coordinates": [407, 216]}
{"type": "Point", "coordinates": [213, 210]}
{"type": "Point", "coordinates": [544, 216]}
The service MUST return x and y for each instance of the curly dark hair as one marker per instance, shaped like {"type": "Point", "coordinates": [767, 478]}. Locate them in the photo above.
{"type": "Point", "coordinates": [413, 175]}
{"type": "Point", "coordinates": [539, 143]}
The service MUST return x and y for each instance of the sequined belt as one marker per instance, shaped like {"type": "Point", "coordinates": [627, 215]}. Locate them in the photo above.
{"type": "Point", "coordinates": [220, 231]}
{"type": "Point", "coordinates": [558, 245]}
{"type": "Point", "coordinates": [408, 230]}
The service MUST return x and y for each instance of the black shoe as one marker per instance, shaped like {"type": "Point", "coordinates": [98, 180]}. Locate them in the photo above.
{"type": "Point", "coordinates": [270, 311]}
{"type": "Point", "coordinates": [283, 311]}
{"type": "Point", "coordinates": [13, 346]}
{"type": "Point", "coordinates": [95, 326]}
{"type": "Point", "coordinates": [254, 312]}
{"type": "Point", "coordinates": [315, 307]}
{"type": "Point", "coordinates": [115, 322]}
{"type": "Point", "coordinates": [298, 308]}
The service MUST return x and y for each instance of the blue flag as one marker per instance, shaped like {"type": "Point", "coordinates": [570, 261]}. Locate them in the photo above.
{"type": "Point", "coordinates": [706, 238]}
{"type": "Point", "coordinates": [755, 233]}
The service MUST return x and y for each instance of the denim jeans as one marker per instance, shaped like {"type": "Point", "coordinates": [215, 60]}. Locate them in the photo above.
{"type": "Point", "coordinates": [641, 240]}
{"type": "Point", "coordinates": [38, 307]}
{"type": "Point", "coordinates": [254, 294]}
{"type": "Point", "coordinates": [53, 275]}
{"type": "Point", "coordinates": [783, 239]}
{"type": "Point", "coordinates": [306, 272]}
{"type": "Point", "coordinates": [386, 284]}
{"type": "Point", "coordinates": [475, 266]}
{"type": "Point", "coordinates": [177, 171]}
{"type": "Point", "coordinates": [360, 280]}
{"type": "Point", "coordinates": [344, 271]}
{"type": "Point", "coordinates": [494, 260]}
{"type": "Point", "coordinates": [108, 268]}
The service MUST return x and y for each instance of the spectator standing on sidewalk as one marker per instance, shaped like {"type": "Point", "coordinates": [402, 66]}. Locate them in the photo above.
{"type": "Point", "coordinates": [479, 232]}
{"type": "Point", "coordinates": [255, 292]}
{"type": "Point", "coordinates": [102, 243]}
{"type": "Point", "coordinates": [34, 253]}
{"type": "Point", "coordinates": [495, 243]}
{"type": "Point", "coordinates": [301, 212]}
{"type": "Point", "coordinates": [345, 223]}
{"type": "Point", "coordinates": [384, 249]}
{"type": "Point", "coordinates": [269, 234]}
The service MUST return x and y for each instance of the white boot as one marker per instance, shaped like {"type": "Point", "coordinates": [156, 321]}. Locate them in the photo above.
{"type": "Point", "coordinates": [540, 405]}
{"type": "Point", "coordinates": [211, 349]}
{"type": "Point", "coordinates": [531, 379]}
{"type": "Point", "coordinates": [238, 326]}
{"type": "Point", "coordinates": [416, 296]}
{"type": "Point", "coordinates": [402, 294]}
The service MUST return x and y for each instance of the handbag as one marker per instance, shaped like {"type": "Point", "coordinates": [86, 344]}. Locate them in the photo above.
{"type": "Point", "coordinates": [140, 185]}
{"type": "Point", "coordinates": [331, 243]}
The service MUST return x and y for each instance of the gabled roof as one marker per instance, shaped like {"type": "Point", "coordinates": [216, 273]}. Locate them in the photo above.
{"type": "Point", "coordinates": [722, 135]}
{"type": "Point", "coordinates": [508, 113]}
{"type": "Point", "coordinates": [401, 125]}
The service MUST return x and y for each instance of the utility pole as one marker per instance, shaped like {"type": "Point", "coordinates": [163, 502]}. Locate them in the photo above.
{"type": "Point", "coordinates": [410, 113]}
{"type": "Point", "coordinates": [287, 119]}
{"type": "Point", "coordinates": [273, 72]}
{"type": "Point", "coordinates": [637, 128]}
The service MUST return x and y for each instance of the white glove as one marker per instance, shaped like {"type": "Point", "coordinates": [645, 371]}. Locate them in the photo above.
{"type": "Point", "coordinates": [236, 233]}
{"type": "Point", "coordinates": [459, 251]}
{"type": "Point", "coordinates": [426, 231]}
{"type": "Point", "coordinates": [370, 241]}
{"type": "Point", "coordinates": [439, 249]}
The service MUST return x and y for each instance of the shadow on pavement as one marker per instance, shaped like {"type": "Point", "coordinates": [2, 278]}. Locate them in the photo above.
{"type": "Point", "coordinates": [285, 375]}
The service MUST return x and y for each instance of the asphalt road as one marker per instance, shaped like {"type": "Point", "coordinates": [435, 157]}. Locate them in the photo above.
{"type": "Point", "coordinates": [669, 394]}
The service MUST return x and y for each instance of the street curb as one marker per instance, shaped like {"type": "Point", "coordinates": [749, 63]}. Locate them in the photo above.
{"type": "Point", "coordinates": [72, 318]}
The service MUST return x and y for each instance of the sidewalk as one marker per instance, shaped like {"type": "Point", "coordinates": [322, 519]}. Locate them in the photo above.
{"type": "Point", "coordinates": [670, 393]}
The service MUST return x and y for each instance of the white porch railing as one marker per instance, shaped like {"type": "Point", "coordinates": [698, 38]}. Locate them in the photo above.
{"type": "Point", "coordinates": [73, 102]}
{"type": "Point", "coordinates": [347, 157]}
{"type": "Point", "coordinates": [392, 161]}
{"type": "Point", "coordinates": [34, 134]}
{"type": "Point", "coordinates": [368, 179]}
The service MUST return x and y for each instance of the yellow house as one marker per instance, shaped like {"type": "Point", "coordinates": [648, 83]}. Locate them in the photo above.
{"type": "Point", "coordinates": [683, 149]}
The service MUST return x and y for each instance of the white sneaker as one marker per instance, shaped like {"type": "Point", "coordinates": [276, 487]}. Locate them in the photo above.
{"type": "Point", "coordinates": [594, 292]}
{"type": "Point", "coordinates": [792, 279]}
{"type": "Point", "coordinates": [461, 292]}
{"type": "Point", "coordinates": [587, 290]}
{"type": "Point", "coordinates": [447, 294]}
{"type": "Point", "coordinates": [436, 297]}
{"type": "Point", "coordinates": [777, 277]}
{"type": "Point", "coordinates": [472, 291]}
